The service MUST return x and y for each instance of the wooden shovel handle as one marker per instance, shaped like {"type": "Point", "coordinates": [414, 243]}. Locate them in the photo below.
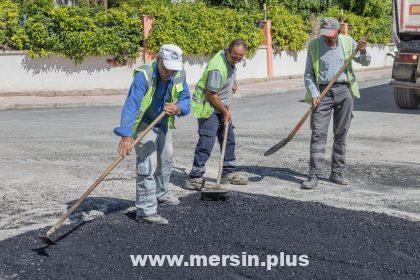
{"type": "Point", "coordinates": [326, 89]}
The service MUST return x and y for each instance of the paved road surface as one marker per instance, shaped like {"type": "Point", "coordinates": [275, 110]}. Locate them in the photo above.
{"type": "Point", "coordinates": [49, 157]}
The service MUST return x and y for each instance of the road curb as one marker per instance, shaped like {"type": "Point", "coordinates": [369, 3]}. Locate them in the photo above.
{"type": "Point", "coordinates": [302, 87]}
{"type": "Point", "coordinates": [56, 106]}
{"type": "Point", "coordinates": [64, 105]}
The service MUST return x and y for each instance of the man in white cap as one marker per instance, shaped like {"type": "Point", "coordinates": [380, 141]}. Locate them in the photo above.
{"type": "Point", "coordinates": [154, 89]}
{"type": "Point", "coordinates": [326, 55]}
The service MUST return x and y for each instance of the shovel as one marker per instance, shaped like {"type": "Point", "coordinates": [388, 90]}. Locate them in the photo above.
{"type": "Point", "coordinates": [46, 237]}
{"type": "Point", "coordinates": [217, 192]}
{"type": "Point", "coordinates": [289, 138]}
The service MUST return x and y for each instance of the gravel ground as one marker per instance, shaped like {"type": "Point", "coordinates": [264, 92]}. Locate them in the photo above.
{"type": "Point", "coordinates": [340, 244]}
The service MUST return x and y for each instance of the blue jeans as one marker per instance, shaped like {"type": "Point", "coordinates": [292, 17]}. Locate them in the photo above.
{"type": "Point", "coordinates": [154, 166]}
{"type": "Point", "coordinates": [208, 130]}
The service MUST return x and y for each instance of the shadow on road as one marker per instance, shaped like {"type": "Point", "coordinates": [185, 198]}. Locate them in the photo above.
{"type": "Point", "coordinates": [106, 205]}
{"type": "Point", "coordinates": [380, 99]}
{"type": "Point", "coordinates": [265, 171]}
{"type": "Point", "coordinates": [258, 173]}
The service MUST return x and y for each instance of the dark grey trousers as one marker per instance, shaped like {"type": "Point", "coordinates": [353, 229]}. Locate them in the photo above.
{"type": "Point", "coordinates": [340, 101]}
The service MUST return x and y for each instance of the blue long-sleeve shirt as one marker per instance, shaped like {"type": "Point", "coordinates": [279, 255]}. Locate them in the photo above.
{"type": "Point", "coordinates": [135, 96]}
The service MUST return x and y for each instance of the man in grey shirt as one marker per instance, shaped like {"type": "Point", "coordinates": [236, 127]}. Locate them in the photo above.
{"type": "Point", "coordinates": [214, 84]}
{"type": "Point", "coordinates": [330, 50]}
{"type": "Point", "coordinates": [217, 89]}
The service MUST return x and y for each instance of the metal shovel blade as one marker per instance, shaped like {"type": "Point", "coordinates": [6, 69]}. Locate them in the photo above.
{"type": "Point", "coordinates": [276, 147]}
{"type": "Point", "coordinates": [214, 193]}
{"type": "Point", "coordinates": [47, 240]}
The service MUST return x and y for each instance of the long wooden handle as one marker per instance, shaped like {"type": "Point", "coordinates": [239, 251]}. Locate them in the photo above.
{"type": "Point", "coordinates": [225, 135]}
{"type": "Point", "coordinates": [324, 92]}
{"type": "Point", "coordinates": [140, 136]}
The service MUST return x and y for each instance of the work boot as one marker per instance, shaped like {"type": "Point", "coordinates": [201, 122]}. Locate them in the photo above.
{"type": "Point", "coordinates": [311, 183]}
{"type": "Point", "coordinates": [338, 179]}
{"type": "Point", "coordinates": [152, 219]}
{"type": "Point", "coordinates": [169, 200]}
{"type": "Point", "coordinates": [195, 183]}
{"type": "Point", "coordinates": [234, 178]}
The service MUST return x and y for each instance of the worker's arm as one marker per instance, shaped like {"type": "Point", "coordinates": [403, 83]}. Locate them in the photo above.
{"type": "Point", "coordinates": [182, 107]}
{"type": "Point", "coordinates": [214, 100]}
{"type": "Point", "coordinates": [213, 85]}
{"type": "Point", "coordinates": [129, 113]}
{"type": "Point", "coordinates": [310, 80]}
{"type": "Point", "coordinates": [362, 57]}
{"type": "Point", "coordinates": [184, 101]}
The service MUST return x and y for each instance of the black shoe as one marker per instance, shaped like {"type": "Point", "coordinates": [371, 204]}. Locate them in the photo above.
{"type": "Point", "coordinates": [338, 179]}
{"type": "Point", "coordinates": [311, 183]}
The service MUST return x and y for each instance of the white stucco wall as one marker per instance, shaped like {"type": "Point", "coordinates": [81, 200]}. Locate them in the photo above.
{"type": "Point", "coordinates": [256, 67]}
{"type": "Point", "coordinates": [20, 73]}
{"type": "Point", "coordinates": [285, 64]}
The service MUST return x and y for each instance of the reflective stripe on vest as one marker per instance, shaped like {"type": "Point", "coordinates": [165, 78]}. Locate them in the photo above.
{"type": "Point", "coordinates": [177, 88]}
{"type": "Point", "coordinates": [200, 106]}
{"type": "Point", "coordinates": [347, 45]}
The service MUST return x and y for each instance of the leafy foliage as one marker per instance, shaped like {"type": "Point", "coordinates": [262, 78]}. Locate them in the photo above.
{"type": "Point", "coordinates": [12, 34]}
{"type": "Point", "coordinates": [72, 32]}
{"type": "Point", "coordinates": [288, 30]}
{"type": "Point", "coordinates": [380, 28]}
{"type": "Point", "coordinates": [304, 7]}
{"type": "Point", "coordinates": [200, 28]}
{"type": "Point", "coordinates": [241, 5]}
{"type": "Point", "coordinates": [301, 7]}
{"type": "Point", "coordinates": [203, 30]}
{"type": "Point", "coordinates": [367, 8]}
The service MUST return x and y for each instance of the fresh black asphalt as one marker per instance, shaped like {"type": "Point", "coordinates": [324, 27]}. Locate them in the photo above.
{"type": "Point", "coordinates": [341, 244]}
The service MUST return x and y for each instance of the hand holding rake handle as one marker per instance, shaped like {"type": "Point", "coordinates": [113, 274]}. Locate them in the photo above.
{"type": "Point", "coordinates": [289, 138]}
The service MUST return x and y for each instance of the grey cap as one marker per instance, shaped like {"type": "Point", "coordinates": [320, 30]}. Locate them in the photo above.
{"type": "Point", "coordinates": [329, 27]}
{"type": "Point", "coordinates": [171, 56]}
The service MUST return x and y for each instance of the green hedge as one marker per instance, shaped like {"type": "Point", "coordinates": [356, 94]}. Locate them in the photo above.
{"type": "Point", "coordinates": [288, 30]}
{"type": "Point", "coordinates": [205, 29]}
{"type": "Point", "coordinates": [202, 30]}
{"type": "Point", "coordinates": [12, 34]}
{"type": "Point", "coordinates": [367, 8]}
{"type": "Point", "coordinates": [199, 29]}
{"type": "Point", "coordinates": [71, 32]}
{"type": "Point", "coordinates": [380, 28]}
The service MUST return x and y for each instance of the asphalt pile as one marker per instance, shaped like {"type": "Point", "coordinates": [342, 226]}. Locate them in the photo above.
{"type": "Point", "coordinates": [340, 244]}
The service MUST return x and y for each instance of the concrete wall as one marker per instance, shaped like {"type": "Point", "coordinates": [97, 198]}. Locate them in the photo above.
{"type": "Point", "coordinates": [287, 64]}
{"type": "Point", "coordinates": [256, 67]}
{"type": "Point", "coordinates": [20, 73]}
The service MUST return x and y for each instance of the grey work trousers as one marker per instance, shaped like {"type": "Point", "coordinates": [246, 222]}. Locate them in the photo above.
{"type": "Point", "coordinates": [154, 167]}
{"type": "Point", "coordinates": [339, 99]}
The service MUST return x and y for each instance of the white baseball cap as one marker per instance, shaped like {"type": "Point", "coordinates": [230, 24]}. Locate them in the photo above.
{"type": "Point", "coordinates": [171, 56]}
